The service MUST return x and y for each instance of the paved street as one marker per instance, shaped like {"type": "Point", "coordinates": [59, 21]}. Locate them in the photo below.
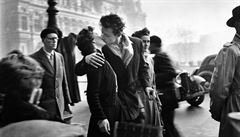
{"type": "Point", "coordinates": [191, 121]}
{"type": "Point", "coordinates": [196, 121]}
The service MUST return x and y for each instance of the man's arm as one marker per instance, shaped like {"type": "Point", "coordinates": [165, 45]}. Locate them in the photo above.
{"type": "Point", "coordinates": [221, 80]}
{"type": "Point", "coordinates": [94, 59]}
{"type": "Point", "coordinates": [224, 73]}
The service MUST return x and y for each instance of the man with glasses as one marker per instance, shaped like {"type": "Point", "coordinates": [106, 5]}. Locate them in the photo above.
{"type": "Point", "coordinates": [55, 97]}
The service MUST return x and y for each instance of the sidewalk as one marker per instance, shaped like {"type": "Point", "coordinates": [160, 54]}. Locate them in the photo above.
{"type": "Point", "coordinates": [81, 113]}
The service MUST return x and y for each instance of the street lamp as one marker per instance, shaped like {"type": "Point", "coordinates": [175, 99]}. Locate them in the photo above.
{"type": "Point", "coordinates": [52, 12]}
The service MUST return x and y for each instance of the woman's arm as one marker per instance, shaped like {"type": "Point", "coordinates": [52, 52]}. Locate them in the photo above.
{"type": "Point", "coordinates": [94, 77]}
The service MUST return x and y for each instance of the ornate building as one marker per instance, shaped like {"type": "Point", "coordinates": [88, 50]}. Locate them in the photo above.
{"type": "Point", "coordinates": [23, 20]}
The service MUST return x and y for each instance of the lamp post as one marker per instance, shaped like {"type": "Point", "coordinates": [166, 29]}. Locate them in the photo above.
{"type": "Point", "coordinates": [52, 12]}
{"type": "Point", "coordinates": [52, 20]}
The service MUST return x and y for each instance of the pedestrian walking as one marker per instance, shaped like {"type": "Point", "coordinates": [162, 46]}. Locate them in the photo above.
{"type": "Point", "coordinates": [165, 74]}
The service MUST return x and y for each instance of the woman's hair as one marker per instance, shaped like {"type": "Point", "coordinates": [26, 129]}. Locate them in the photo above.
{"type": "Point", "coordinates": [114, 22]}
{"type": "Point", "coordinates": [14, 67]}
{"type": "Point", "coordinates": [140, 33]}
{"type": "Point", "coordinates": [85, 41]}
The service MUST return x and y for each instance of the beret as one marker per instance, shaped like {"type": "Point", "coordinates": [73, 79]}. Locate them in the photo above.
{"type": "Point", "coordinates": [47, 31]}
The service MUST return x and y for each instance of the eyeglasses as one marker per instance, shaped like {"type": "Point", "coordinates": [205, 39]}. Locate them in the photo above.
{"type": "Point", "coordinates": [146, 41]}
{"type": "Point", "coordinates": [52, 39]}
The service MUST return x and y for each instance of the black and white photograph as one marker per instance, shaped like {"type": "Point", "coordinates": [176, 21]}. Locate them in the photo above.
{"type": "Point", "coordinates": [120, 68]}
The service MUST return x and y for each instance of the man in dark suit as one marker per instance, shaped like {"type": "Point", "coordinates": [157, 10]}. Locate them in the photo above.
{"type": "Point", "coordinates": [55, 97]}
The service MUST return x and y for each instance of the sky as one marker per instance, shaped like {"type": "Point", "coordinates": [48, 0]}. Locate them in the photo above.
{"type": "Point", "coordinates": [167, 17]}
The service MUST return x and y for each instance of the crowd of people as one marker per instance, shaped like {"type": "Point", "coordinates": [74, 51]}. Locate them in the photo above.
{"type": "Point", "coordinates": [130, 79]}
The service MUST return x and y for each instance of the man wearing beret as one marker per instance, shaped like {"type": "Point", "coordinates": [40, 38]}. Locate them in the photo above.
{"type": "Point", "coordinates": [225, 82]}
{"type": "Point", "coordinates": [55, 97]}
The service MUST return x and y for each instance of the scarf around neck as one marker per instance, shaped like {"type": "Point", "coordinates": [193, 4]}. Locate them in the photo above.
{"type": "Point", "coordinates": [123, 49]}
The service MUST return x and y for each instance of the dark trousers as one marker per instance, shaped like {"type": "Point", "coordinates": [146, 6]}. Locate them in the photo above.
{"type": "Point", "coordinates": [168, 121]}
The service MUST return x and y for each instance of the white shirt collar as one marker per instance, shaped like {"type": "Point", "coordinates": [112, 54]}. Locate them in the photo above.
{"type": "Point", "coordinates": [47, 53]}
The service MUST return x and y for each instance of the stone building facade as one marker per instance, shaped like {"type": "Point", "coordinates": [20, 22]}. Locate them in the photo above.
{"type": "Point", "coordinates": [23, 20]}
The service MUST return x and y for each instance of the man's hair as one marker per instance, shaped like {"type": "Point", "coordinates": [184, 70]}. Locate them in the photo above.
{"type": "Point", "coordinates": [47, 31]}
{"type": "Point", "coordinates": [85, 41]}
{"type": "Point", "coordinates": [140, 33]}
{"type": "Point", "coordinates": [114, 22]}
{"type": "Point", "coordinates": [59, 32]}
{"type": "Point", "coordinates": [156, 41]}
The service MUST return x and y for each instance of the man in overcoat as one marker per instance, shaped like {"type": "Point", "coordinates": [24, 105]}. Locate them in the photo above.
{"type": "Point", "coordinates": [55, 97]}
{"type": "Point", "coordinates": [225, 82]}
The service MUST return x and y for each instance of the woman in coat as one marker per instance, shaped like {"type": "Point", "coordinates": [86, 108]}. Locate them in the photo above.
{"type": "Point", "coordinates": [152, 105]}
{"type": "Point", "coordinates": [101, 89]}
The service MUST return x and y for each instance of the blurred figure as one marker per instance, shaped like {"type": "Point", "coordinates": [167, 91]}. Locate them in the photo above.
{"type": "Point", "coordinates": [55, 98]}
{"type": "Point", "coordinates": [225, 82]}
{"type": "Point", "coordinates": [42, 128]}
{"type": "Point", "coordinates": [165, 74]}
{"type": "Point", "coordinates": [20, 81]}
{"type": "Point", "coordinates": [152, 105]}
{"type": "Point", "coordinates": [101, 88]}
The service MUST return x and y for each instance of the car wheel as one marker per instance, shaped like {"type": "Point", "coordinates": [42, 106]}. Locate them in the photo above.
{"type": "Point", "coordinates": [196, 101]}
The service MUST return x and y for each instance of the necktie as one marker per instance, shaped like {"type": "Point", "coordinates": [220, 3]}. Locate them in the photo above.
{"type": "Point", "coordinates": [51, 59]}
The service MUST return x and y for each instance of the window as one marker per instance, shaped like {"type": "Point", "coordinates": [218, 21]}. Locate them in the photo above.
{"type": "Point", "coordinates": [24, 23]}
{"type": "Point", "coordinates": [37, 25]}
{"type": "Point", "coordinates": [38, 20]}
{"type": "Point", "coordinates": [68, 3]}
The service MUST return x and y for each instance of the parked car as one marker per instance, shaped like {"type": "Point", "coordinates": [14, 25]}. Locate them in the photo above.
{"type": "Point", "coordinates": [206, 68]}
